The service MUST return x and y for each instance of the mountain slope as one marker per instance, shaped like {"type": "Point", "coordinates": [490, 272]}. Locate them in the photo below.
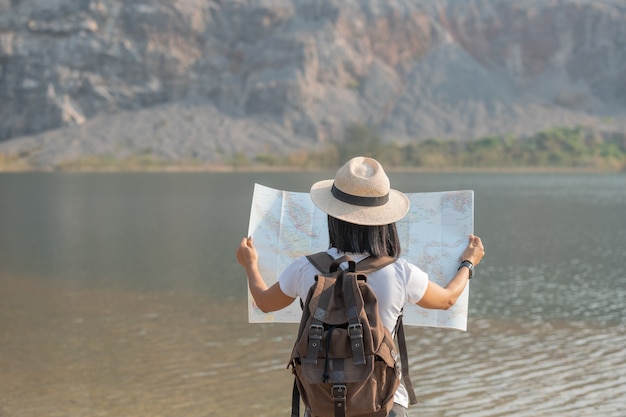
{"type": "Point", "coordinates": [205, 80]}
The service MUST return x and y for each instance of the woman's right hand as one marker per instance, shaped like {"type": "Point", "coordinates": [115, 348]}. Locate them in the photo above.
{"type": "Point", "coordinates": [474, 251]}
{"type": "Point", "coordinates": [247, 255]}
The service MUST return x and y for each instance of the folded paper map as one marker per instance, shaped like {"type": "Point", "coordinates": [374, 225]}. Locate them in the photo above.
{"type": "Point", "coordinates": [433, 235]}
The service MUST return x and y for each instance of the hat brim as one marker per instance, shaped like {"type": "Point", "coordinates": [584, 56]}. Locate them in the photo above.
{"type": "Point", "coordinates": [395, 209]}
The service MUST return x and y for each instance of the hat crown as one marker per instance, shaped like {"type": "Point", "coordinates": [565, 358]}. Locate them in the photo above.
{"type": "Point", "coordinates": [361, 194]}
{"type": "Point", "coordinates": [363, 177]}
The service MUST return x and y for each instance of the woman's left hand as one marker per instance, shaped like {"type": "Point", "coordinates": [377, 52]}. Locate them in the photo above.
{"type": "Point", "coordinates": [474, 251]}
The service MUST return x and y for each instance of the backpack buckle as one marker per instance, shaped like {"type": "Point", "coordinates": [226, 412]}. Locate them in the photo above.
{"type": "Point", "coordinates": [339, 392]}
{"type": "Point", "coordinates": [315, 343]}
{"type": "Point", "coordinates": [316, 331]}
{"type": "Point", "coordinates": [355, 330]}
{"type": "Point", "coordinates": [339, 400]}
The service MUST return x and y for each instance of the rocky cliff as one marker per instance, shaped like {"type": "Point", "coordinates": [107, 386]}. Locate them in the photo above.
{"type": "Point", "coordinates": [205, 79]}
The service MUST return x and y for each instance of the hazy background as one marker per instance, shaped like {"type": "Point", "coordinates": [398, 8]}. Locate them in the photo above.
{"type": "Point", "coordinates": [104, 83]}
{"type": "Point", "coordinates": [119, 291]}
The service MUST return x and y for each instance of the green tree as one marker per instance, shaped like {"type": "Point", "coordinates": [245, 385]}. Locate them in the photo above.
{"type": "Point", "coordinates": [360, 139]}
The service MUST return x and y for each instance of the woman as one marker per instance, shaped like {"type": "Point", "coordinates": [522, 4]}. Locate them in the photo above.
{"type": "Point", "coordinates": [362, 211]}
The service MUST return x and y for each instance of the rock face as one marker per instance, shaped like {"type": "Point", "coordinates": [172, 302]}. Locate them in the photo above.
{"type": "Point", "coordinates": [205, 79]}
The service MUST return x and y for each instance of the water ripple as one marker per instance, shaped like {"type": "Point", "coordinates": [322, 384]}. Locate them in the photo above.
{"type": "Point", "coordinates": [160, 355]}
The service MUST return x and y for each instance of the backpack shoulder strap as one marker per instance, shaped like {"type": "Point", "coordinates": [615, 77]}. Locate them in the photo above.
{"type": "Point", "coordinates": [321, 261]}
{"type": "Point", "coordinates": [325, 263]}
{"type": "Point", "coordinates": [404, 360]}
{"type": "Point", "coordinates": [374, 263]}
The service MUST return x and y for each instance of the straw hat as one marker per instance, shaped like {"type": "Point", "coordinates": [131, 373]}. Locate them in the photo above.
{"type": "Point", "coordinates": [360, 194]}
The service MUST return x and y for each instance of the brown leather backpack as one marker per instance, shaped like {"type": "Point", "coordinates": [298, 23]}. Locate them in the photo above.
{"type": "Point", "coordinates": [344, 359]}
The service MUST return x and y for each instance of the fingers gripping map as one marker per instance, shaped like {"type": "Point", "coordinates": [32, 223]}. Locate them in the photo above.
{"type": "Point", "coordinates": [286, 225]}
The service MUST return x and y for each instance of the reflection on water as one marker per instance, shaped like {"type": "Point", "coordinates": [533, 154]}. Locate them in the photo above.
{"type": "Point", "coordinates": [119, 295]}
{"type": "Point", "coordinates": [114, 353]}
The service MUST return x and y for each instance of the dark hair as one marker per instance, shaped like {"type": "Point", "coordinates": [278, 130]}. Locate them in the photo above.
{"type": "Point", "coordinates": [377, 240]}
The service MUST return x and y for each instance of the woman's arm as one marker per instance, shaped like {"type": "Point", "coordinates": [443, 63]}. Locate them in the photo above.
{"type": "Point", "coordinates": [437, 297]}
{"type": "Point", "coordinates": [267, 299]}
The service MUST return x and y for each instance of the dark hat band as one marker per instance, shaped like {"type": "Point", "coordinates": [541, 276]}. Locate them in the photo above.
{"type": "Point", "coordinates": [358, 200]}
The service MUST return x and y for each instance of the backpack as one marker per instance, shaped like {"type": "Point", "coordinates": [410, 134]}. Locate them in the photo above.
{"type": "Point", "coordinates": [344, 359]}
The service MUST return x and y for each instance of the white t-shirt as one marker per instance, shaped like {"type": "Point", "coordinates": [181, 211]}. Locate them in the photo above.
{"type": "Point", "coordinates": [394, 285]}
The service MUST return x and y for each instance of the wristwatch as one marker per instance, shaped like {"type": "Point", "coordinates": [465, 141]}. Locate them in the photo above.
{"type": "Point", "coordinates": [469, 266]}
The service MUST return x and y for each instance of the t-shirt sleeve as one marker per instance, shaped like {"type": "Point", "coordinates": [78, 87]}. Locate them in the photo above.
{"type": "Point", "coordinates": [290, 280]}
{"type": "Point", "coordinates": [416, 283]}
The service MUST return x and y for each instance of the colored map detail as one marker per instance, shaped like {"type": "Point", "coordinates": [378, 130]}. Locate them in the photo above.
{"type": "Point", "coordinates": [287, 225]}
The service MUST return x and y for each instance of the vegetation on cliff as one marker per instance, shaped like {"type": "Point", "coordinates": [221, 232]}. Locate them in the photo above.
{"type": "Point", "coordinates": [556, 148]}
{"type": "Point", "coordinates": [560, 148]}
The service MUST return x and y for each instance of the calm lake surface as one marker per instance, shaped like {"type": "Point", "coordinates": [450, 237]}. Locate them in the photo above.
{"type": "Point", "coordinates": [120, 296]}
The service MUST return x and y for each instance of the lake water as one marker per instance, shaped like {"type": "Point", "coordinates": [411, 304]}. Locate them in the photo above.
{"type": "Point", "coordinates": [120, 296]}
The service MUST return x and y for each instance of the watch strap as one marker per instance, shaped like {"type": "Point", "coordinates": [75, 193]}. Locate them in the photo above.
{"type": "Point", "coordinates": [469, 265]}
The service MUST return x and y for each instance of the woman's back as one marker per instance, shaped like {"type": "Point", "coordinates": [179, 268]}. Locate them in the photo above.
{"type": "Point", "coordinates": [394, 285]}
